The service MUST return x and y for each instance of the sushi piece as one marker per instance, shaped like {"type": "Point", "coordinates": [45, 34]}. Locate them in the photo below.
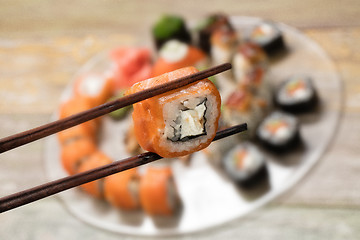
{"type": "Point", "coordinates": [96, 159]}
{"type": "Point", "coordinates": [73, 106]}
{"type": "Point", "coordinates": [208, 26]}
{"type": "Point", "coordinates": [268, 36]}
{"type": "Point", "coordinates": [245, 165]}
{"type": "Point", "coordinates": [249, 66]}
{"type": "Point", "coordinates": [74, 153]}
{"type": "Point", "coordinates": [179, 122]}
{"type": "Point", "coordinates": [279, 132]}
{"type": "Point", "coordinates": [158, 192]}
{"type": "Point", "coordinates": [242, 106]}
{"type": "Point", "coordinates": [95, 88]}
{"type": "Point", "coordinates": [223, 43]}
{"type": "Point", "coordinates": [175, 54]}
{"type": "Point", "coordinates": [170, 27]}
{"type": "Point", "coordinates": [122, 190]}
{"type": "Point", "coordinates": [296, 94]}
{"type": "Point", "coordinates": [85, 130]}
{"type": "Point", "coordinates": [130, 65]}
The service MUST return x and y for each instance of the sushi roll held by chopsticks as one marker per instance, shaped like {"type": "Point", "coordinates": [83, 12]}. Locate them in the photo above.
{"type": "Point", "coordinates": [179, 122]}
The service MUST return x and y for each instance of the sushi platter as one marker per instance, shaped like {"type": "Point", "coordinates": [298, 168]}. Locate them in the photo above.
{"type": "Point", "coordinates": [291, 99]}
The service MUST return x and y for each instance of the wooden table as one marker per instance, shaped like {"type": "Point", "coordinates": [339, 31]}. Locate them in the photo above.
{"type": "Point", "coordinates": [43, 43]}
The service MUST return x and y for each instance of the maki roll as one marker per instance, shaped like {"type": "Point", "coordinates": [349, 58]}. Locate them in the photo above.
{"type": "Point", "coordinates": [249, 66]}
{"type": "Point", "coordinates": [158, 192]}
{"type": "Point", "coordinates": [175, 54]}
{"type": "Point", "coordinates": [296, 94]}
{"type": "Point", "coordinates": [245, 165]}
{"type": "Point", "coordinates": [170, 27]}
{"type": "Point", "coordinates": [95, 160]}
{"type": "Point", "coordinates": [122, 189]}
{"type": "Point", "coordinates": [207, 27]}
{"type": "Point", "coordinates": [268, 36]}
{"type": "Point", "coordinates": [279, 132]}
{"type": "Point", "coordinates": [179, 122]}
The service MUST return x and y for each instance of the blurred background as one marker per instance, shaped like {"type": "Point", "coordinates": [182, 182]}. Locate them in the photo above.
{"type": "Point", "coordinates": [43, 44]}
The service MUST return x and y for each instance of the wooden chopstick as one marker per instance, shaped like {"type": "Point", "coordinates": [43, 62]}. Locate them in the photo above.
{"type": "Point", "coordinates": [30, 195]}
{"type": "Point", "coordinates": [34, 134]}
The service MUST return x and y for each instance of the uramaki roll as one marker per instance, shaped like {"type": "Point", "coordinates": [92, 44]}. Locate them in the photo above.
{"type": "Point", "coordinates": [158, 193]}
{"type": "Point", "coordinates": [86, 130]}
{"type": "Point", "coordinates": [95, 88]}
{"type": "Point", "coordinates": [97, 159]}
{"type": "Point", "coordinates": [122, 189]}
{"type": "Point", "coordinates": [75, 152]}
{"type": "Point", "coordinates": [175, 54]}
{"type": "Point", "coordinates": [73, 106]}
{"type": "Point", "coordinates": [179, 122]}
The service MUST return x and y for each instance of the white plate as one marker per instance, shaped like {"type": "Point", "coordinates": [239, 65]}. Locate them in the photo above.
{"type": "Point", "coordinates": [210, 199]}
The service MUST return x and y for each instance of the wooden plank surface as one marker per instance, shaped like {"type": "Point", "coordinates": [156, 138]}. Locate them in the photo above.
{"type": "Point", "coordinates": [42, 45]}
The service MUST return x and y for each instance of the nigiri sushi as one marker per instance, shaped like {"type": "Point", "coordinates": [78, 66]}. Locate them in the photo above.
{"type": "Point", "coordinates": [170, 27]}
{"type": "Point", "coordinates": [75, 152]}
{"type": "Point", "coordinates": [179, 122]}
{"type": "Point", "coordinates": [96, 159]}
{"type": "Point", "coordinates": [122, 189]}
{"type": "Point", "coordinates": [175, 54]}
{"type": "Point", "coordinates": [158, 193]}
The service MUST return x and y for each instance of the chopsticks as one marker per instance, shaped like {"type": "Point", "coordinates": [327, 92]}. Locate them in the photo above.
{"type": "Point", "coordinates": [34, 134]}
{"type": "Point", "coordinates": [30, 195]}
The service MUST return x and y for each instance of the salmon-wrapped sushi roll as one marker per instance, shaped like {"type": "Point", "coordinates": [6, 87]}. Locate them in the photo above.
{"type": "Point", "coordinates": [75, 152]}
{"type": "Point", "coordinates": [179, 122]}
{"type": "Point", "coordinates": [87, 130]}
{"type": "Point", "coordinates": [158, 193]}
{"type": "Point", "coordinates": [122, 189]}
{"type": "Point", "coordinates": [71, 107]}
{"type": "Point", "coordinates": [175, 54]}
{"type": "Point", "coordinates": [94, 87]}
{"type": "Point", "coordinates": [96, 159]}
